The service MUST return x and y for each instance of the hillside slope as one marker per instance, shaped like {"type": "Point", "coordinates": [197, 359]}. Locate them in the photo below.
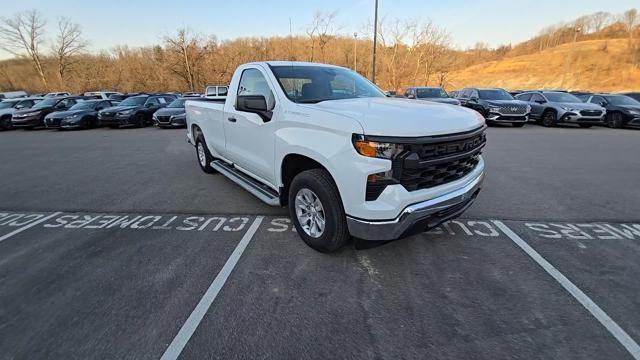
{"type": "Point", "coordinates": [598, 65]}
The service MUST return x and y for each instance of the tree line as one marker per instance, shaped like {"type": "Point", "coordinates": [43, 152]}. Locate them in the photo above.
{"type": "Point", "coordinates": [410, 52]}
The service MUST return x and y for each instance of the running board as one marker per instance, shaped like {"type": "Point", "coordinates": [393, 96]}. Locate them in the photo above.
{"type": "Point", "coordinates": [259, 190]}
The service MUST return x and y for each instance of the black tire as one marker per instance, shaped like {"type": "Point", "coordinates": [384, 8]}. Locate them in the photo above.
{"type": "Point", "coordinates": [85, 123]}
{"type": "Point", "coordinates": [585, 126]}
{"type": "Point", "coordinates": [5, 123]}
{"type": "Point", "coordinates": [335, 233]}
{"type": "Point", "coordinates": [518, 125]}
{"type": "Point", "coordinates": [549, 118]}
{"type": "Point", "coordinates": [202, 150]}
{"type": "Point", "coordinates": [614, 120]}
{"type": "Point", "coordinates": [140, 121]}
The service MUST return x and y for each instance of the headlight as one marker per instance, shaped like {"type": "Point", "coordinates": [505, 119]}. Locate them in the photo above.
{"type": "Point", "coordinates": [634, 112]}
{"type": "Point", "coordinates": [179, 117]}
{"type": "Point", "coordinates": [569, 109]}
{"type": "Point", "coordinates": [70, 116]}
{"type": "Point", "coordinates": [376, 149]}
{"type": "Point", "coordinates": [494, 109]}
{"type": "Point", "coordinates": [126, 112]}
{"type": "Point", "coordinates": [34, 113]}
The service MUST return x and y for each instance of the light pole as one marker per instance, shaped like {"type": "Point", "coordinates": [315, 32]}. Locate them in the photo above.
{"type": "Point", "coordinates": [569, 59]}
{"type": "Point", "coordinates": [355, 51]}
{"type": "Point", "coordinates": [375, 44]}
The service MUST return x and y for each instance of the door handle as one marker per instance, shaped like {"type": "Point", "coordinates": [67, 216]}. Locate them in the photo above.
{"type": "Point", "coordinates": [232, 119]}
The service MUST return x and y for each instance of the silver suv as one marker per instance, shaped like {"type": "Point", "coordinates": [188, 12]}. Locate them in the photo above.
{"type": "Point", "coordinates": [554, 107]}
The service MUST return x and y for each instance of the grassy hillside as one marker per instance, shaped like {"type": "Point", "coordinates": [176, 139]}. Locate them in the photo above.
{"type": "Point", "coordinates": [599, 65]}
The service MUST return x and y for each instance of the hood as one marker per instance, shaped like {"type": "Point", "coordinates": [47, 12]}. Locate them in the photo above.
{"type": "Point", "coordinates": [26, 111]}
{"type": "Point", "coordinates": [115, 109]}
{"type": "Point", "coordinates": [629, 107]}
{"type": "Point", "coordinates": [442, 100]}
{"type": "Point", "coordinates": [170, 111]}
{"type": "Point", "coordinates": [505, 102]}
{"type": "Point", "coordinates": [63, 114]}
{"type": "Point", "coordinates": [580, 106]}
{"type": "Point", "coordinates": [403, 117]}
{"type": "Point", "coordinates": [7, 111]}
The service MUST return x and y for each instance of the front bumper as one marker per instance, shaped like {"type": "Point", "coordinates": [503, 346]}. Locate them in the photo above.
{"type": "Point", "coordinates": [574, 118]}
{"type": "Point", "coordinates": [170, 121]}
{"type": "Point", "coordinates": [115, 120]}
{"type": "Point", "coordinates": [517, 118]}
{"type": "Point", "coordinates": [31, 121]}
{"type": "Point", "coordinates": [419, 217]}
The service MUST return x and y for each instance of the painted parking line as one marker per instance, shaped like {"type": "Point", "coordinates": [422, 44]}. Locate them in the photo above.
{"type": "Point", "coordinates": [28, 225]}
{"type": "Point", "coordinates": [190, 326]}
{"type": "Point", "coordinates": [604, 319]}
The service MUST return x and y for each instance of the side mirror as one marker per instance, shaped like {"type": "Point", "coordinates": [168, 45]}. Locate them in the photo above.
{"type": "Point", "coordinates": [603, 103]}
{"type": "Point", "coordinates": [256, 104]}
{"type": "Point", "coordinates": [19, 107]}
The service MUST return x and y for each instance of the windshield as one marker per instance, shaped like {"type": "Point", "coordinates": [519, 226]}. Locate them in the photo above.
{"type": "Point", "coordinates": [178, 103]}
{"type": "Point", "coordinates": [7, 104]}
{"type": "Point", "coordinates": [562, 97]}
{"type": "Point", "coordinates": [494, 94]}
{"type": "Point", "coordinates": [84, 105]}
{"type": "Point", "coordinates": [117, 97]}
{"type": "Point", "coordinates": [46, 103]}
{"type": "Point", "coordinates": [134, 101]}
{"type": "Point", "coordinates": [622, 100]}
{"type": "Point", "coordinates": [426, 93]}
{"type": "Point", "coordinates": [312, 84]}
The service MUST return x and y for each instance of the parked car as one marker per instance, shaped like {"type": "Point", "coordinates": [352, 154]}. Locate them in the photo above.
{"type": "Point", "coordinates": [56, 94]}
{"type": "Point", "coordinates": [34, 117]}
{"type": "Point", "coordinates": [136, 110]}
{"type": "Point", "coordinates": [173, 115]}
{"type": "Point", "coordinates": [496, 105]}
{"type": "Point", "coordinates": [622, 111]}
{"type": "Point", "coordinates": [117, 98]}
{"type": "Point", "coordinates": [435, 94]}
{"type": "Point", "coordinates": [551, 108]}
{"type": "Point", "coordinates": [216, 91]}
{"type": "Point", "coordinates": [100, 94]}
{"type": "Point", "coordinates": [81, 115]}
{"type": "Point", "coordinates": [634, 95]}
{"type": "Point", "coordinates": [13, 94]}
{"type": "Point", "coordinates": [10, 106]}
{"type": "Point", "coordinates": [346, 159]}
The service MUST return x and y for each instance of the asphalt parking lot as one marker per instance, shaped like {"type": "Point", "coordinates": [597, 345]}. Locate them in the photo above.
{"type": "Point", "coordinates": [113, 244]}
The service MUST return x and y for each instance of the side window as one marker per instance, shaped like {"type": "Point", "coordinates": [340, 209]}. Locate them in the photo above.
{"type": "Point", "coordinates": [524, 97]}
{"type": "Point", "coordinates": [536, 98]}
{"type": "Point", "coordinates": [162, 100]}
{"type": "Point", "coordinates": [597, 100]}
{"type": "Point", "coordinates": [253, 82]}
{"type": "Point", "coordinates": [152, 101]}
{"type": "Point", "coordinates": [222, 91]}
{"type": "Point", "coordinates": [584, 98]}
{"type": "Point", "coordinates": [474, 94]}
{"type": "Point", "coordinates": [211, 91]}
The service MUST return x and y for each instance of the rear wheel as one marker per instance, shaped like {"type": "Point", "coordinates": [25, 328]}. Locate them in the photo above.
{"type": "Point", "coordinates": [549, 118]}
{"type": "Point", "coordinates": [140, 121]}
{"type": "Point", "coordinates": [204, 156]}
{"type": "Point", "coordinates": [614, 120]}
{"type": "Point", "coordinates": [518, 125]}
{"type": "Point", "coordinates": [316, 210]}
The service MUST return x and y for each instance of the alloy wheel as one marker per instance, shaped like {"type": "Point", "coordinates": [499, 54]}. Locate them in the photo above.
{"type": "Point", "coordinates": [310, 213]}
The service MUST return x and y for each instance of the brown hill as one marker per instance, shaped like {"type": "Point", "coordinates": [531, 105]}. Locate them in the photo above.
{"type": "Point", "coordinates": [602, 65]}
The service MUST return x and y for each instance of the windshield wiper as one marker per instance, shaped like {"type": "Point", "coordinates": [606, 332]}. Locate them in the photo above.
{"type": "Point", "coordinates": [312, 101]}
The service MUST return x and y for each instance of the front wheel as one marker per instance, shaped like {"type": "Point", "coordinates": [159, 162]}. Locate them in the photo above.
{"type": "Point", "coordinates": [140, 121]}
{"type": "Point", "coordinates": [316, 210]}
{"type": "Point", "coordinates": [614, 120]}
{"type": "Point", "coordinates": [549, 119]}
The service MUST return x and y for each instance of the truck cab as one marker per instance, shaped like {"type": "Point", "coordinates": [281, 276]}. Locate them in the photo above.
{"type": "Point", "coordinates": [346, 159]}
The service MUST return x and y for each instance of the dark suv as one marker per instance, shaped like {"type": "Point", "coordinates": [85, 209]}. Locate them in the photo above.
{"type": "Point", "coordinates": [135, 110]}
{"type": "Point", "coordinates": [34, 117]}
{"type": "Point", "coordinates": [496, 105]}
{"type": "Point", "coordinates": [622, 110]}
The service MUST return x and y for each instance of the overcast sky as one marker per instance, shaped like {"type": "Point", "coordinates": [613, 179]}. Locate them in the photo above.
{"type": "Point", "coordinates": [144, 22]}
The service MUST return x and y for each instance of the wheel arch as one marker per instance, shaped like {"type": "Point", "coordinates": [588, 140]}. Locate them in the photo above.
{"type": "Point", "coordinates": [293, 164]}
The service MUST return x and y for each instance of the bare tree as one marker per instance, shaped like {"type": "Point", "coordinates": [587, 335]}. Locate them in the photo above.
{"type": "Point", "coordinates": [599, 20]}
{"type": "Point", "coordinates": [23, 35]}
{"type": "Point", "coordinates": [322, 29]}
{"type": "Point", "coordinates": [67, 46]}
{"type": "Point", "coordinates": [188, 50]}
{"type": "Point", "coordinates": [630, 21]}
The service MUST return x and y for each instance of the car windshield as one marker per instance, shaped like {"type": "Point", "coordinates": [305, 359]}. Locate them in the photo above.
{"type": "Point", "coordinates": [83, 105]}
{"type": "Point", "coordinates": [622, 100]}
{"type": "Point", "coordinates": [494, 94]}
{"type": "Point", "coordinates": [428, 93]}
{"type": "Point", "coordinates": [562, 97]}
{"type": "Point", "coordinates": [117, 97]}
{"type": "Point", "coordinates": [46, 103]}
{"type": "Point", "coordinates": [7, 104]}
{"type": "Point", "coordinates": [313, 84]}
{"type": "Point", "coordinates": [178, 103]}
{"type": "Point", "coordinates": [134, 101]}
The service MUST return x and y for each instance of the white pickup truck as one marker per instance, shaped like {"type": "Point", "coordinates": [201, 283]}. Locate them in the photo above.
{"type": "Point", "coordinates": [346, 159]}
